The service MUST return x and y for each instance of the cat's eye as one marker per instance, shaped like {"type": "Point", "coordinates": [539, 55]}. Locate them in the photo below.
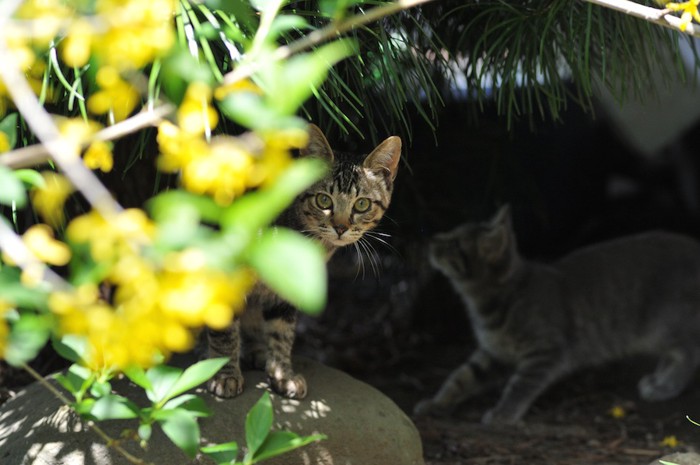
{"type": "Point", "coordinates": [362, 205]}
{"type": "Point", "coordinates": [324, 201]}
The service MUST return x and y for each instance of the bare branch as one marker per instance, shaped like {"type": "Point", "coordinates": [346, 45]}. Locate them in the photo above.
{"type": "Point", "coordinates": [653, 15]}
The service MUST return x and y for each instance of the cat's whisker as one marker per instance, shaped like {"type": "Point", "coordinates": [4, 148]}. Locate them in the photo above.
{"type": "Point", "coordinates": [361, 266]}
{"type": "Point", "coordinates": [379, 237]}
{"type": "Point", "coordinates": [372, 256]}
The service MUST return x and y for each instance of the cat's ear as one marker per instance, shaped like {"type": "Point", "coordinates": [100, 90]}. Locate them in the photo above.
{"type": "Point", "coordinates": [502, 217]}
{"type": "Point", "coordinates": [494, 243]}
{"type": "Point", "coordinates": [318, 145]}
{"type": "Point", "coordinates": [385, 157]}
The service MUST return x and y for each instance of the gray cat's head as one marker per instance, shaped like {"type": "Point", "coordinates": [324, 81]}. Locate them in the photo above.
{"type": "Point", "coordinates": [352, 199]}
{"type": "Point", "coordinates": [477, 252]}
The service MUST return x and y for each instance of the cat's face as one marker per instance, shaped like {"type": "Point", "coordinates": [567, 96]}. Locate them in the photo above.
{"type": "Point", "coordinates": [352, 199]}
{"type": "Point", "coordinates": [476, 252]}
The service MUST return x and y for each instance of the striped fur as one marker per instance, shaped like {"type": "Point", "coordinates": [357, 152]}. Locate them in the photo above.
{"type": "Point", "coordinates": [535, 323]}
{"type": "Point", "coordinates": [336, 211]}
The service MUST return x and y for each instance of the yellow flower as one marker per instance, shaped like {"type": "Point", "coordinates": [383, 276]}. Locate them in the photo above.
{"type": "Point", "coordinates": [5, 307]}
{"type": "Point", "coordinates": [121, 235]}
{"type": "Point", "coordinates": [689, 11]}
{"type": "Point", "coordinates": [77, 131]}
{"type": "Point", "coordinates": [75, 48]}
{"type": "Point", "coordinates": [195, 114]}
{"type": "Point", "coordinates": [99, 156]}
{"type": "Point", "coordinates": [40, 241]}
{"type": "Point", "coordinates": [617, 412]}
{"type": "Point", "coordinates": [245, 85]}
{"type": "Point", "coordinates": [49, 200]}
{"type": "Point", "coordinates": [138, 31]}
{"type": "Point", "coordinates": [4, 141]}
{"type": "Point", "coordinates": [115, 95]}
{"type": "Point", "coordinates": [670, 441]}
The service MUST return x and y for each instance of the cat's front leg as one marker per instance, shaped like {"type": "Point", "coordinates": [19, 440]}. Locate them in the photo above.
{"type": "Point", "coordinates": [228, 382]}
{"type": "Point", "coordinates": [279, 326]}
{"type": "Point", "coordinates": [480, 373]}
{"type": "Point", "coordinates": [536, 371]}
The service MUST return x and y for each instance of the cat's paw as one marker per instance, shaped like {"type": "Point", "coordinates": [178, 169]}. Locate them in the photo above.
{"type": "Point", "coordinates": [428, 407]}
{"type": "Point", "coordinates": [293, 387]}
{"type": "Point", "coordinates": [656, 388]}
{"type": "Point", "coordinates": [496, 417]}
{"type": "Point", "coordinates": [226, 386]}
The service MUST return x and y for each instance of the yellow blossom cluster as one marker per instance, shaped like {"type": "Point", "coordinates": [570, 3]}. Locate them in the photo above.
{"type": "Point", "coordinates": [49, 199]}
{"type": "Point", "coordinates": [148, 307]}
{"type": "Point", "coordinates": [226, 166]}
{"type": "Point", "coordinates": [123, 35]}
{"type": "Point", "coordinates": [5, 306]}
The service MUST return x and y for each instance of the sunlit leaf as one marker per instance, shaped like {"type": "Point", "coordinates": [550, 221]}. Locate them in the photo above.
{"type": "Point", "coordinates": [194, 376]}
{"type": "Point", "coordinates": [8, 125]}
{"type": "Point", "coordinates": [182, 429]}
{"type": "Point", "coordinates": [293, 266]}
{"type": "Point", "coordinates": [28, 336]}
{"type": "Point", "coordinates": [279, 442]}
{"type": "Point", "coordinates": [222, 454]}
{"type": "Point", "coordinates": [162, 378]}
{"type": "Point", "coordinates": [114, 407]}
{"type": "Point", "coordinates": [258, 423]}
{"type": "Point", "coordinates": [12, 191]}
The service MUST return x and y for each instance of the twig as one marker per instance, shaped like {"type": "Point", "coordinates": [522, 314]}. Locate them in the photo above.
{"type": "Point", "coordinates": [318, 36]}
{"type": "Point", "coordinates": [111, 442]}
{"type": "Point", "coordinates": [653, 15]}
{"type": "Point", "coordinates": [38, 154]}
{"type": "Point", "coordinates": [40, 122]}
{"type": "Point", "coordinates": [13, 246]}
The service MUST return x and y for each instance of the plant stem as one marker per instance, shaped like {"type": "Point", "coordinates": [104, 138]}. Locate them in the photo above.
{"type": "Point", "coordinates": [316, 37]}
{"type": "Point", "coordinates": [38, 154]}
{"type": "Point", "coordinates": [99, 431]}
{"type": "Point", "coordinates": [653, 15]}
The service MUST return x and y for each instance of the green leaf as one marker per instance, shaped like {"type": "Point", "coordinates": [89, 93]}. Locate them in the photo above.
{"type": "Point", "coordinates": [222, 454]}
{"type": "Point", "coordinates": [268, 6]}
{"type": "Point", "coordinates": [290, 85]}
{"type": "Point", "coordinates": [255, 210]}
{"type": "Point", "coordinates": [100, 389]}
{"type": "Point", "coordinates": [8, 125]}
{"type": "Point", "coordinates": [258, 423]}
{"type": "Point", "coordinates": [76, 379]}
{"type": "Point", "coordinates": [293, 266]}
{"type": "Point", "coordinates": [195, 375]}
{"type": "Point", "coordinates": [191, 403]}
{"type": "Point", "coordinates": [137, 375]}
{"type": "Point", "coordinates": [114, 407]}
{"type": "Point", "coordinates": [162, 379]}
{"type": "Point", "coordinates": [163, 205]}
{"type": "Point", "coordinates": [84, 407]}
{"type": "Point", "coordinates": [28, 336]}
{"type": "Point", "coordinates": [286, 23]}
{"type": "Point", "coordinates": [12, 190]}
{"type": "Point", "coordinates": [182, 429]}
{"type": "Point", "coordinates": [179, 69]}
{"type": "Point", "coordinates": [279, 442]}
{"type": "Point", "coordinates": [70, 347]}
{"type": "Point", "coordinates": [31, 178]}
{"type": "Point", "coordinates": [252, 111]}
{"type": "Point", "coordinates": [14, 292]}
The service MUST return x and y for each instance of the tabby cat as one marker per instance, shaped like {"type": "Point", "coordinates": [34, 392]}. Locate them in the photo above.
{"type": "Point", "coordinates": [535, 323]}
{"type": "Point", "coordinates": [336, 211]}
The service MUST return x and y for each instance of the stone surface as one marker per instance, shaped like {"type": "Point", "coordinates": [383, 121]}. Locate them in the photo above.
{"type": "Point", "coordinates": [679, 458]}
{"type": "Point", "coordinates": [363, 426]}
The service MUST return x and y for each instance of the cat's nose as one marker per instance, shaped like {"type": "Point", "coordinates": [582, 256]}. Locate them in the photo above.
{"type": "Point", "coordinates": [340, 229]}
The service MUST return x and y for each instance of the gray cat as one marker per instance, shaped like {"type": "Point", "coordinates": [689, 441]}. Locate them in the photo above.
{"type": "Point", "coordinates": [535, 323]}
{"type": "Point", "coordinates": [336, 211]}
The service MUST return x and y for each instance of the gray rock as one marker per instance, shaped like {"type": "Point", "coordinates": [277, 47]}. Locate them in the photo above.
{"type": "Point", "coordinates": [679, 458]}
{"type": "Point", "coordinates": [363, 426]}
